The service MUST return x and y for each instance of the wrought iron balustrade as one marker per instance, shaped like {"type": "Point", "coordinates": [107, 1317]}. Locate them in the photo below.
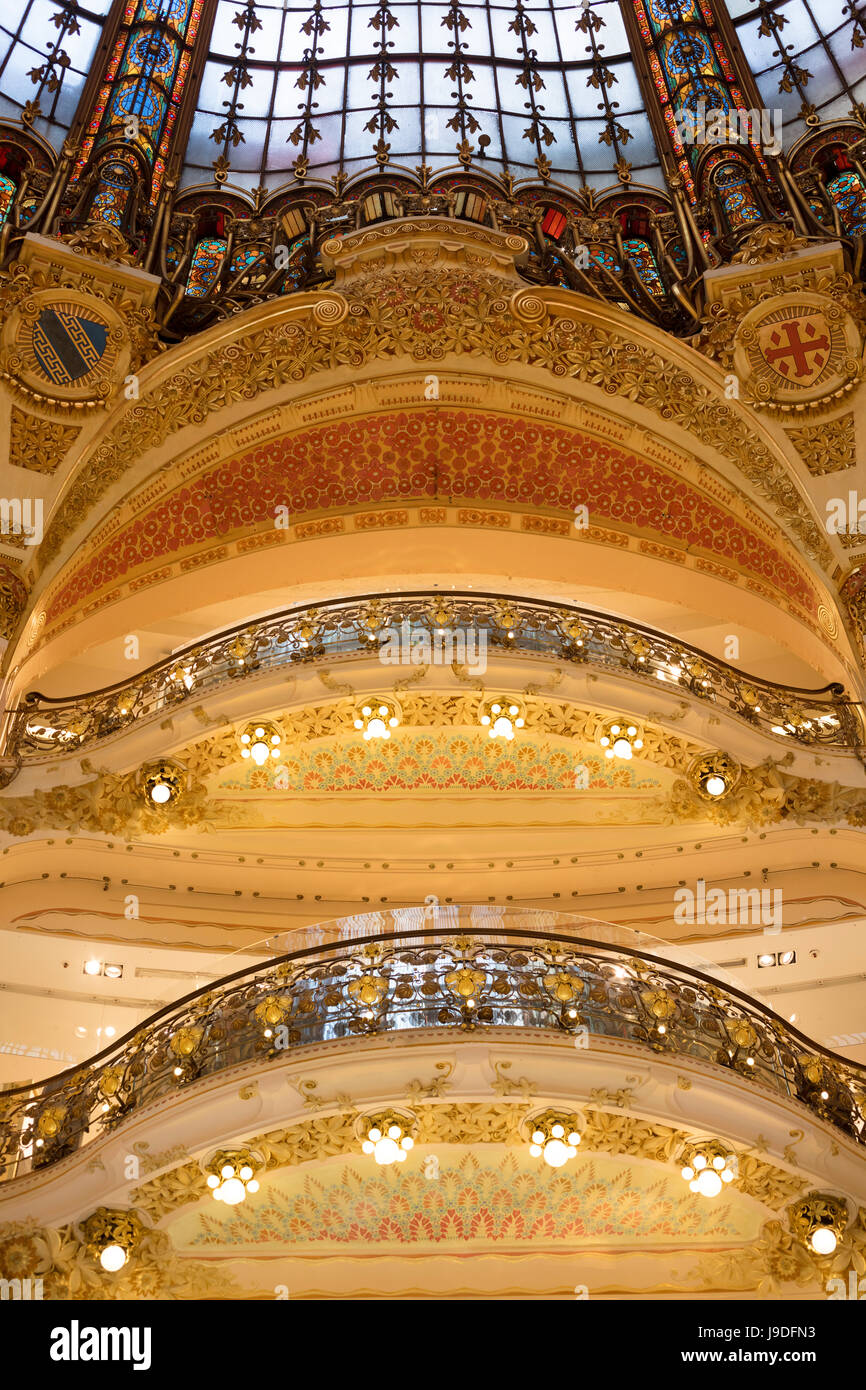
{"type": "Point", "coordinates": [477, 980]}
{"type": "Point", "coordinates": [346, 629]}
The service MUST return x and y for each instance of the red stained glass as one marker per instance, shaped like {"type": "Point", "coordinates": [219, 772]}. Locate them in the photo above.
{"type": "Point", "coordinates": [724, 60]}
{"type": "Point", "coordinates": [658, 77]}
{"type": "Point", "coordinates": [643, 22]}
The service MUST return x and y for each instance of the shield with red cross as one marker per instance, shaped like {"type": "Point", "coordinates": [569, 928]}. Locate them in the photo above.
{"type": "Point", "coordinates": [797, 349]}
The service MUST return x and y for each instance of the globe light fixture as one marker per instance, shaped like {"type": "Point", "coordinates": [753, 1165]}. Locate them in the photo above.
{"type": "Point", "coordinates": [231, 1174]}
{"type": "Point", "coordinates": [819, 1221]}
{"type": "Point", "coordinates": [621, 740]}
{"type": "Point", "coordinates": [162, 782]}
{"type": "Point", "coordinates": [554, 1136]}
{"type": "Point", "coordinates": [500, 716]}
{"type": "Point", "coordinates": [377, 718]}
{"type": "Point", "coordinates": [260, 741]}
{"type": "Point", "coordinates": [111, 1236]}
{"type": "Point", "coordinates": [714, 775]}
{"type": "Point", "coordinates": [113, 1258]}
{"type": "Point", "coordinates": [708, 1167]}
{"type": "Point", "coordinates": [387, 1137]}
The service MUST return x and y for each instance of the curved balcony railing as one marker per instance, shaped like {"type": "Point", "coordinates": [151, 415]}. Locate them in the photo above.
{"type": "Point", "coordinates": [426, 980]}
{"type": "Point", "coordinates": [429, 627]}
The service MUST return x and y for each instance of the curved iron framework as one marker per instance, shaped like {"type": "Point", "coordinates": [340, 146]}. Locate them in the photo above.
{"type": "Point", "coordinates": [344, 629]}
{"type": "Point", "coordinates": [429, 979]}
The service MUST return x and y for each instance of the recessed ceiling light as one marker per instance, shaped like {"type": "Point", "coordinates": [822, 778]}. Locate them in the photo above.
{"type": "Point", "coordinates": [114, 972]}
{"type": "Point", "coordinates": [93, 967]}
{"type": "Point", "coordinates": [787, 957]}
{"type": "Point", "coordinates": [766, 960]}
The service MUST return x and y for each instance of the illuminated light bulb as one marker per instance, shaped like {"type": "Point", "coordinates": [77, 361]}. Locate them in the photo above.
{"type": "Point", "coordinates": [638, 743]}
{"type": "Point", "coordinates": [160, 793]}
{"type": "Point", "coordinates": [246, 1173]}
{"type": "Point", "coordinates": [269, 1033]}
{"type": "Point", "coordinates": [213, 1180]}
{"type": "Point", "coordinates": [709, 1183]}
{"type": "Point", "coordinates": [253, 1185]}
{"type": "Point", "coordinates": [538, 1137]}
{"type": "Point", "coordinates": [227, 1170]}
{"type": "Point", "coordinates": [574, 1138]}
{"type": "Point", "coordinates": [259, 752]}
{"type": "Point", "coordinates": [535, 1150]}
{"type": "Point", "coordinates": [503, 728]}
{"type": "Point", "coordinates": [556, 1153]}
{"type": "Point", "coordinates": [614, 728]}
{"type": "Point", "coordinates": [113, 1258]}
{"type": "Point", "coordinates": [386, 1151]}
{"type": "Point", "coordinates": [688, 1174]}
{"type": "Point", "coordinates": [394, 1132]}
{"type": "Point", "coordinates": [367, 1147]}
{"type": "Point", "coordinates": [662, 1028]}
{"type": "Point", "coordinates": [178, 1071]}
{"type": "Point", "coordinates": [512, 709]}
{"type": "Point", "coordinates": [824, 1240]}
{"type": "Point", "coordinates": [232, 1192]}
{"type": "Point", "coordinates": [407, 1141]}
{"type": "Point", "coordinates": [727, 1176]}
{"type": "Point", "coordinates": [715, 785]}
{"type": "Point", "coordinates": [245, 738]}
{"type": "Point", "coordinates": [496, 709]}
{"type": "Point", "coordinates": [375, 1135]}
{"type": "Point", "coordinates": [631, 730]}
{"type": "Point", "coordinates": [604, 741]}
{"type": "Point", "coordinates": [92, 967]}
{"type": "Point", "coordinates": [276, 738]}
{"type": "Point", "coordinates": [558, 1131]}
{"type": "Point", "coordinates": [699, 1162]}
{"type": "Point", "coordinates": [622, 748]}
{"type": "Point", "coordinates": [401, 1156]}
{"type": "Point", "coordinates": [750, 1061]}
{"type": "Point", "coordinates": [393, 721]}
{"type": "Point", "coordinates": [377, 728]}
{"type": "Point", "coordinates": [110, 1031]}
{"type": "Point", "coordinates": [359, 723]}
{"type": "Point", "coordinates": [718, 1161]}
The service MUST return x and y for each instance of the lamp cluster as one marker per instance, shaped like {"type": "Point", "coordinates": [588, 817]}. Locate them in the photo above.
{"type": "Point", "coordinates": [260, 742]}
{"type": "Point", "coordinates": [387, 1138]}
{"type": "Point", "coordinates": [708, 1167]}
{"type": "Point", "coordinates": [231, 1175]}
{"type": "Point", "coordinates": [554, 1137]}
{"type": "Point", "coordinates": [377, 719]}
{"type": "Point", "coordinates": [621, 740]}
{"type": "Point", "coordinates": [500, 716]}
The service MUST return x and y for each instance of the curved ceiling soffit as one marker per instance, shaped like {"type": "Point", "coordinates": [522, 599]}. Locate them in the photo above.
{"type": "Point", "coordinates": [430, 463]}
{"type": "Point", "coordinates": [114, 802]}
{"type": "Point", "coordinates": [266, 348]}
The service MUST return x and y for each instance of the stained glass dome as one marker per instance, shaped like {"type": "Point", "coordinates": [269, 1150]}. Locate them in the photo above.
{"type": "Point", "coordinates": [531, 86]}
